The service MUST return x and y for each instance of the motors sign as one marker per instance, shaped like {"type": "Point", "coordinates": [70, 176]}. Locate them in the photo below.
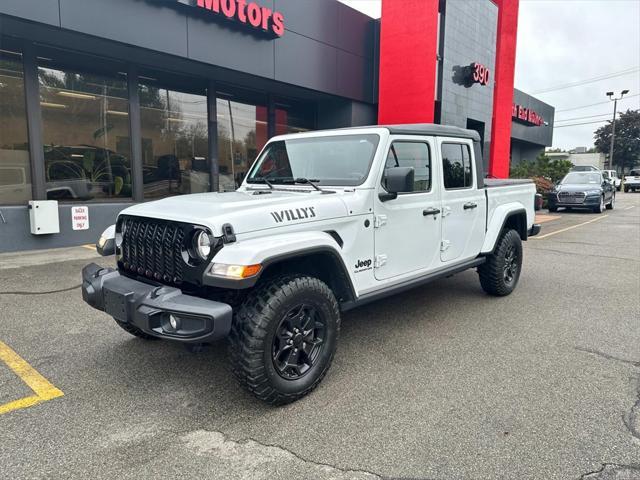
{"type": "Point", "coordinates": [526, 115]}
{"type": "Point", "coordinates": [247, 13]}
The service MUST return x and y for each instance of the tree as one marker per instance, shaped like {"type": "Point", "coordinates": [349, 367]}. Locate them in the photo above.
{"type": "Point", "coordinates": [626, 150]}
{"type": "Point", "coordinates": [543, 166]}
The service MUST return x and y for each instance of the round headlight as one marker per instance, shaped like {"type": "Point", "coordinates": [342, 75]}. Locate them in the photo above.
{"type": "Point", "coordinates": [202, 242]}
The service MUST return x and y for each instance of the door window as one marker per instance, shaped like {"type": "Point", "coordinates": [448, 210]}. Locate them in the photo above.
{"type": "Point", "coordinates": [412, 154]}
{"type": "Point", "coordinates": [456, 163]}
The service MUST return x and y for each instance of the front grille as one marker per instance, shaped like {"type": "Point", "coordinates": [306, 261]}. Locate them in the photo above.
{"type": "Point", "coordinates": [153, 249]}
{"type": "Point", "coordinates": [571, 197]}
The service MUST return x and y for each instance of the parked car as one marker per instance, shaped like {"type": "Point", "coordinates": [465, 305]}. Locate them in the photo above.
{"type": "Point", "coordinates": [582, 190]}
{"type": "Point", "coordinates": [632, 180]}
{"type": "Point", "coordinates": [612, 176]}
{"type": "Point", "coordinates": [584, 168]}
{"type": "Point", "coordinates": [323, 222]}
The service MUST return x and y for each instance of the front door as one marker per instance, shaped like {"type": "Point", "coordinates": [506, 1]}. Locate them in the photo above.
{"type": "Point", "coordinates": [463, 205]}
{"type": "Point", "coordinates": [407, 229]}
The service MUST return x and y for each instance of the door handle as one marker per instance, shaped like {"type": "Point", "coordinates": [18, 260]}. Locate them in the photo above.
{"type": "Point", "coordinates": [470, 205]}
{"type": "Point", "coordinates": [430, 211]}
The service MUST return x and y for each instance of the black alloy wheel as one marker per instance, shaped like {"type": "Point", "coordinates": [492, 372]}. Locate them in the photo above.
{"type": "Point", "coordinates": [298, 341]}
{"type": "Point", "coordinates": [511, 267]}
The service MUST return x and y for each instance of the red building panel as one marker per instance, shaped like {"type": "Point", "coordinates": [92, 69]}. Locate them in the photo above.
{"type": "Point", "coordinates": [408, 61]}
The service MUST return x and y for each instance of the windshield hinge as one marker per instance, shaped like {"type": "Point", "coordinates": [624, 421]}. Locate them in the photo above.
{"type": "Point", "coordinates": [379, 221]}
{"type": "Point", "coordinates": [380, 261]}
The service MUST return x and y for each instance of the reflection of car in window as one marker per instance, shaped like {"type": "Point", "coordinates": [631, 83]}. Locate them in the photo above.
{"type": "Point", "coordinates": [85, 172]}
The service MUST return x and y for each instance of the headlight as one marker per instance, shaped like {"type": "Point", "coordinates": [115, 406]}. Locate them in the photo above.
{"type": "Point", "coordinates": [593, 192]}
{"type": "Point", "coordinates": [202, 244]}
{"type": "Point", "coordinates": [235, 272]}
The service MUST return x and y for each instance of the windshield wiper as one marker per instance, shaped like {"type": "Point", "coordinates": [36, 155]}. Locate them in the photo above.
{"type": "Point", "coordinates": [306, 181]}
{"type": "Point", "coordinates": [262, 180]}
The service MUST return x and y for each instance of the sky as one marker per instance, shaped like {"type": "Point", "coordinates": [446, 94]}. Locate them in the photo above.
{"type": "Point", "coordinates": [564, 42]}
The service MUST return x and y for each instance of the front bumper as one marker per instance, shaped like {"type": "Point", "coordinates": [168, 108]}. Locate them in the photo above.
{"type": "Point", "coordinates": [148, 307]}
{"type": "Point", "coordinates": [534, 230]}
{"type": "Point", "coordinates": [589, 201]}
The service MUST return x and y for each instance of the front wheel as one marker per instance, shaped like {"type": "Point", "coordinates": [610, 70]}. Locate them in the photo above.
{"type": "Point", "coordinates": [600, 208]}
{"type": "Point", "coordinates": [553, 209]}
{"type": "Point", "coordinates": [284, 337]}
{"type": "Point", "coordinates": [612, 203]}
{"type": "Point", "coordinates": [500, 273]}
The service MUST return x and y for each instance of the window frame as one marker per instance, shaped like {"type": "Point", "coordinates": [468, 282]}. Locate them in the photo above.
{"type": "Point", "coordinates": [429, 152]}
{"type": "Point", "coordinates": [471, 163]}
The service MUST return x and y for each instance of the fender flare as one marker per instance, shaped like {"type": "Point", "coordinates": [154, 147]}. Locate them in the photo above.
{"type": "Point", "coordinates": [270, 250]}
{"type": "Point", "coordinates": [498, 221]}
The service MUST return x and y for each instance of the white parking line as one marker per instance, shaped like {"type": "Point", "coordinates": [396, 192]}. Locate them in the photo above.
{"type": "Point", "coordinates": [629, 208]}
{"type": "Point", "coordinates": [568, 228]}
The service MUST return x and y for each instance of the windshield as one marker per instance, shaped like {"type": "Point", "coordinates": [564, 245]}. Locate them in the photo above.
{"type": "Point", "coordinates": [342, 160]}
{"type": "Point", "coordinates": [634, 173]}
{"type": "Point", "coordinates": [581, 178]}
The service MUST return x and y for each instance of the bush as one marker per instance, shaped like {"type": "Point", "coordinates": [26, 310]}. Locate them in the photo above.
{"type": "Point", "coordinates": [544, 167]}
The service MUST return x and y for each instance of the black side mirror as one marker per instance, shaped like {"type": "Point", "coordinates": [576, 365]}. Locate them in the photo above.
{"type": "Point", "coordinates": [397, 180]}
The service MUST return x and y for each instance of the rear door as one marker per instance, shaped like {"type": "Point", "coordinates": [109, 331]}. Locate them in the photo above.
{"type": "Point", "coordinates": [407, 229]}
{"type": "Point", "coordinates": [463, 204]}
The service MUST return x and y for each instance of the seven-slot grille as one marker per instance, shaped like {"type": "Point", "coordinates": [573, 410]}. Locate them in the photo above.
{"type": "Point", "coordinates": [571, 197]}
{"type": "Point", "coordinates": [153, 249]}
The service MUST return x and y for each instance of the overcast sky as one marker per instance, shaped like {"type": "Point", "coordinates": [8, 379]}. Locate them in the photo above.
{"type": "Point", "coordinates": [572, 41]}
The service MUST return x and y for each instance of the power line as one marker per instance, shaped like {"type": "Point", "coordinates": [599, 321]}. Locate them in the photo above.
{"type": "Point", "coordinates": [593, 104]}
{"type": "Point", "coordinates": [582, 118]}
{"type": "Point", "coordinates": [598, 78]}
{"type": "Point", "coordinates": [575, 124]}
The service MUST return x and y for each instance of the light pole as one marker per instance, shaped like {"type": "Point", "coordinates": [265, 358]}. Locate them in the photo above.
{"type": "Point", "coordinates": [613, 127]}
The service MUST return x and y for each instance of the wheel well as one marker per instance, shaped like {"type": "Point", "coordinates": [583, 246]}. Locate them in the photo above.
{"type": "Point", "coordinates": [323, 265]}
{"type": "Point", "coordinates": [517, 221]}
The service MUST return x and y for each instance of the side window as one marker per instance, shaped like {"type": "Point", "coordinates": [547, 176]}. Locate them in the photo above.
{"type": "Point", "coordinates": [412, 154]}
{"type": "Point", "coordinates": [456, 163]}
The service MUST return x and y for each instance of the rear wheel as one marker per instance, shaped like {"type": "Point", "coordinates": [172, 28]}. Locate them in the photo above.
{"type": "Point", "coordinates": [135, 331]}
{"type": "Point", "coordinates": [626, 189]}
{"type": "Point", "coordinates": [500, 273]}
{"type": "Point", "coordinates": [284, 337]}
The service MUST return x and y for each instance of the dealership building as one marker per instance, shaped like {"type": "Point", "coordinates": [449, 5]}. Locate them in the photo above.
{"type": "Point", "coordinates": [107, 103]}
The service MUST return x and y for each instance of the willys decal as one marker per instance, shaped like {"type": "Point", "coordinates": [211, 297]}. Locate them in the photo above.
{"type": "Point", "coordinates": [293, 214]}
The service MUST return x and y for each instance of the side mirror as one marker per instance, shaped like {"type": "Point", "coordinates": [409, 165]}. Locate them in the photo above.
{"type": "Point", "coordinates": [107, 242]}
{"type": "Point", "coordinates": [397, 180]}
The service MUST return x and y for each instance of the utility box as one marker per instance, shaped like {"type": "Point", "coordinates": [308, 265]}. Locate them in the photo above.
{"type": "Point", "coordinates": [43, 217]}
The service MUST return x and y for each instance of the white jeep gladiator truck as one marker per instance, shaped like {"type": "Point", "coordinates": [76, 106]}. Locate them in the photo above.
{"type": "Point", "coordinates": [324, 222]}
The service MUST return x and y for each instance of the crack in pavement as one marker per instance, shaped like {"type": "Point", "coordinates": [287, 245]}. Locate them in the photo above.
{"type": "Point", "coordinates": [581, 254]}
{"type": "Point", "coordinates": [631, 419]}
{"type": "Point", "coordinates": [258, 460]}
{"type": "Point", "coordinates": [612, 471]}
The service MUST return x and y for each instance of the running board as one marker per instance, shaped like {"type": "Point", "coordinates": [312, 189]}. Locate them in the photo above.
{"type": "Point", "coordinates": [410, 284]}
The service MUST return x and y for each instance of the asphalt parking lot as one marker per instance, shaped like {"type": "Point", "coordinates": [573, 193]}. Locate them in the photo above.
{"type": "Point", "coordinates": [442, 382]}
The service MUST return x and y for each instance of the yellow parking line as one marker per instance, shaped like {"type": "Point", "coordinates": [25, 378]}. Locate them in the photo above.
{"type": "Point", "coordinates": [42, 388]}
{"type": "Point", "coordinates": [568, 228]}
{"type": "Point", "coordinates": [89, 247]}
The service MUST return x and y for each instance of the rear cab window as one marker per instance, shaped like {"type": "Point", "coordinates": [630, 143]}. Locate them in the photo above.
{"type": "Point", "coordinates": [457, 167]}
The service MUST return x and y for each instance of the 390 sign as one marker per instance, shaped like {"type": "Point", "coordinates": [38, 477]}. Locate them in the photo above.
{"type": "Point", "coordinates": [480, 73]}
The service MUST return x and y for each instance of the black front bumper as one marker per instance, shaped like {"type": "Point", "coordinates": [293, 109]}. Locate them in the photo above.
{"type": "Point", "coordinates": [149, 307]}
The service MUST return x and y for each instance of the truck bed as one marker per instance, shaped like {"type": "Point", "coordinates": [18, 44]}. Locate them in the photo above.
{"type": "Point", "coordinates": [505, 182]}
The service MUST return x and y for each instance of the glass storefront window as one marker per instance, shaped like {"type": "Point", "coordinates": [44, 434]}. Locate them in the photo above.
{"type": "Point", "coordinates": [242, 132]}
{"type": "Point", "coordinates": [15, 169]}
{"type": "Point", "coordinates": [294, 117]}
{"type": "Point", "coordinates": [85, 129]}
{"type": "Point", "coordinates": [175, 158]}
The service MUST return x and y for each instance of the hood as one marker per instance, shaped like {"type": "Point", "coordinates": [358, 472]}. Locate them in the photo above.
{"type": "Point", "coordinates": [246, 211]}
{"type": "Point", "coordinates": [578, 187]}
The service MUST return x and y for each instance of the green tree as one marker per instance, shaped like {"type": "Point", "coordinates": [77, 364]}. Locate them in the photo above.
{"type": "Point", "coordinates": [543, 166]}
{"type": "Point", "coordinates": [626, 150]}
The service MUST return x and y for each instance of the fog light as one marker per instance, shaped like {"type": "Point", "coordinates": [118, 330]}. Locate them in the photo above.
{"type": "Point", "coordinates": [174, 322]}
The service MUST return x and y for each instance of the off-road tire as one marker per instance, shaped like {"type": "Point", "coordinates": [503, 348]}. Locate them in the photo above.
{"type": "Point", "coordinates": [492, 272]}
{"type": "Point", "coordinates": [251, 340]}
{"type": "Point", "coordinates": [135, 331]}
